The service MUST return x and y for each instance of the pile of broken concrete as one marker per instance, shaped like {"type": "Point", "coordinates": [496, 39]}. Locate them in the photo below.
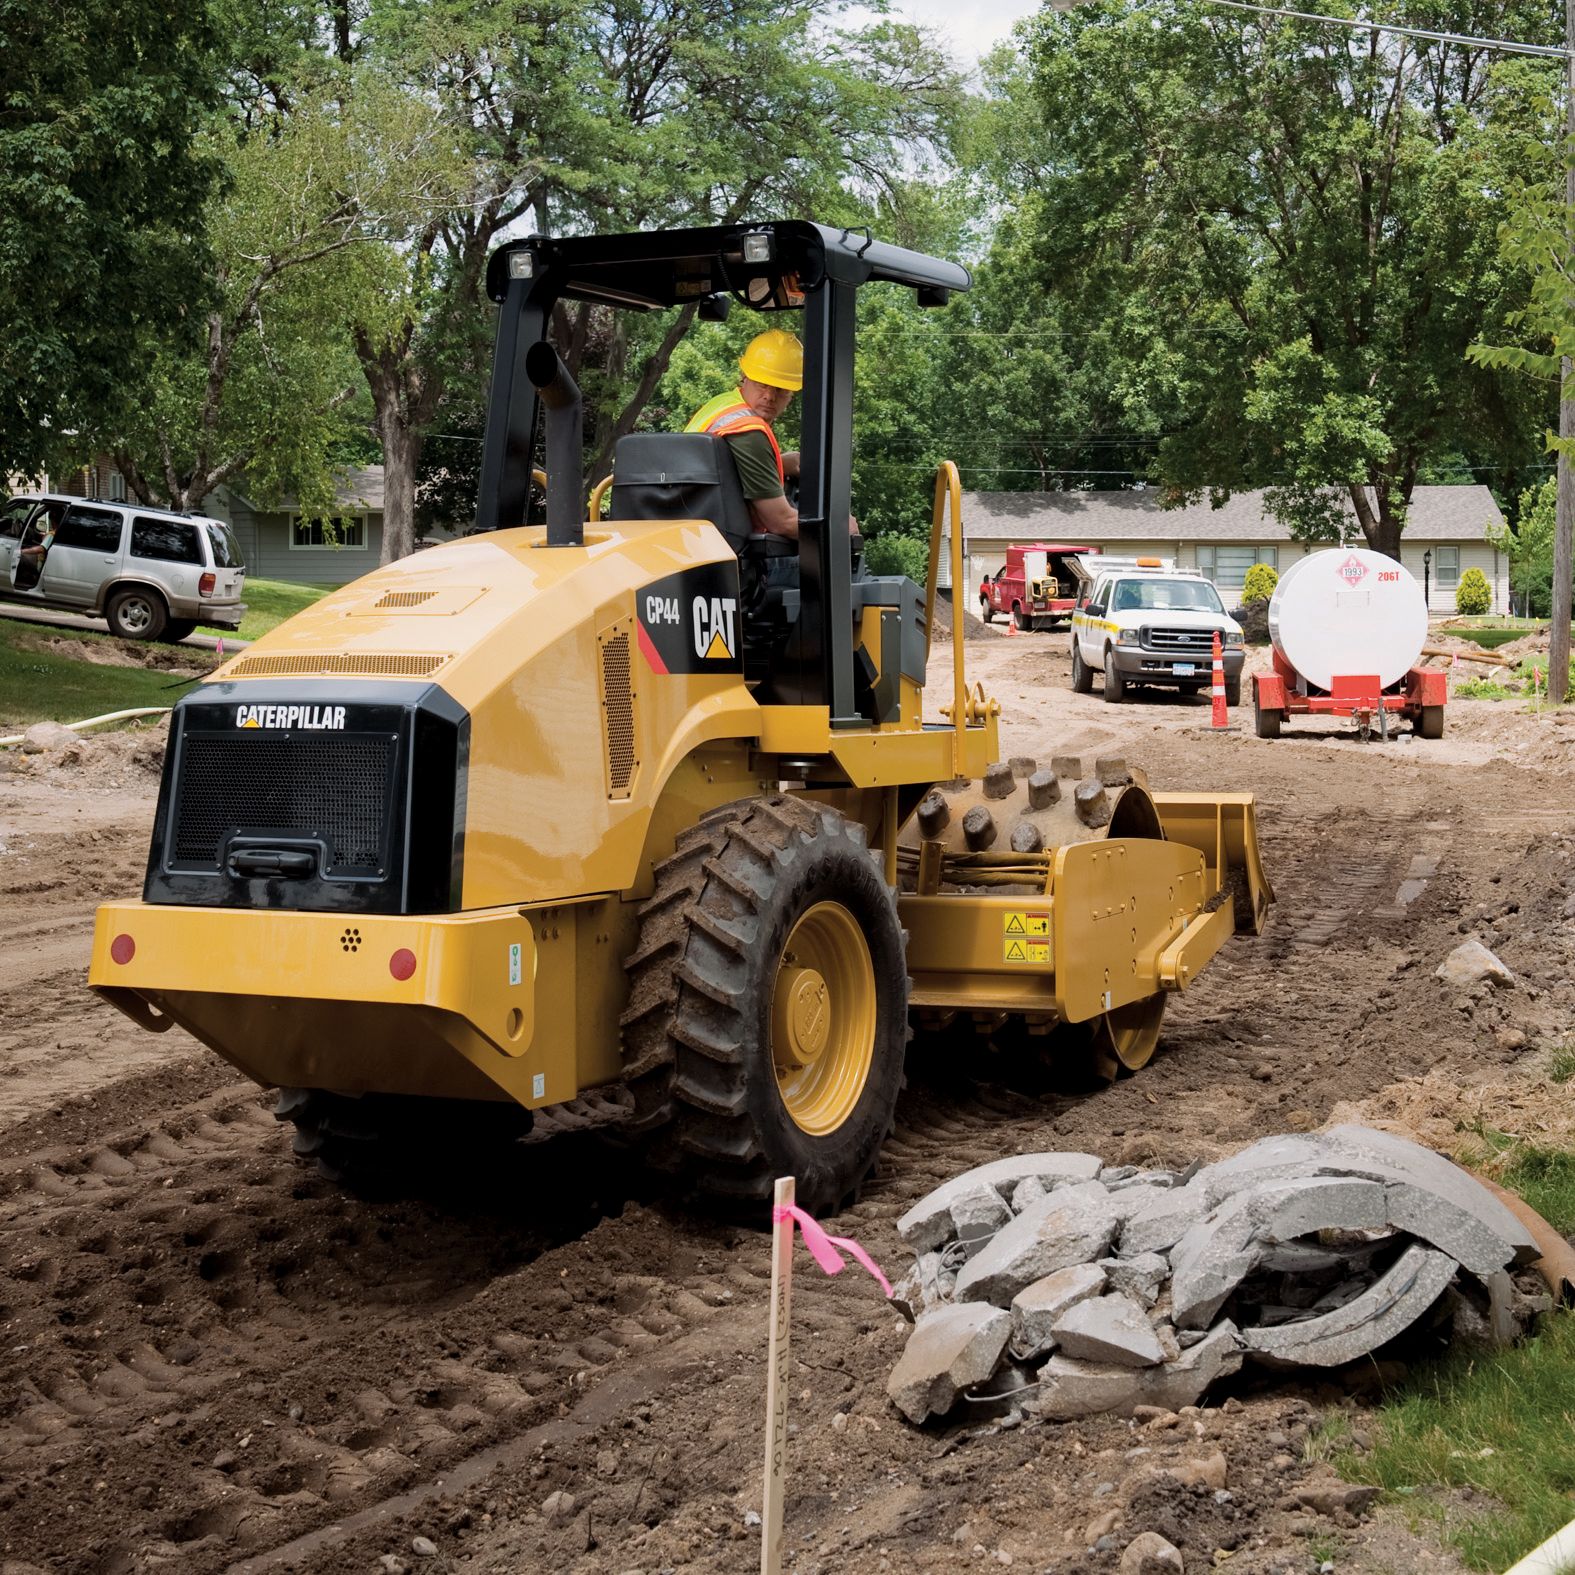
{"type": "Point", "coordinates": [1079, 1288]}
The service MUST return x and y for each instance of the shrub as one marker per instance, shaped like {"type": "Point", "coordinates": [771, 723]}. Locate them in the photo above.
{"type": "Point", "coordinates": [1259, 584]}
{"type": "Point", "coordinates": [1473, 595]}
{"type": "Point", "coordinates": [893, 553]}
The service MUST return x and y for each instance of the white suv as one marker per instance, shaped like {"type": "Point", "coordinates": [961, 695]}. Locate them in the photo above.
{"type": "Point", "coordinates": [1154, 625]}
{"type": "Point", "coordinates": [149, 573]}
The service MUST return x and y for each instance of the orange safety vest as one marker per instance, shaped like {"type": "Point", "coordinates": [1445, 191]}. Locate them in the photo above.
{"type": "Point", "coordinates": [727, 415]}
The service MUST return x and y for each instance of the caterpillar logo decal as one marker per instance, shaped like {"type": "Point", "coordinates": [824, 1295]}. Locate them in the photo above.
{"type": "Point", "coordinates": [690, 622]}
{"type": "Point", "coordinates": [306, 716]}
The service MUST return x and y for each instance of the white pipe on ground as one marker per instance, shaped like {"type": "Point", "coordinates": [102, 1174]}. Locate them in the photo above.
{"type": "Point", "coordinates": [1556, 1556]}
{"type": "Point", "coordinates": [96, 721]}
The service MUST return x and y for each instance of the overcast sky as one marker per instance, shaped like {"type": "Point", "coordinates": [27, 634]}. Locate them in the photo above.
{"type": "Point", "coordinates": [972, 26]}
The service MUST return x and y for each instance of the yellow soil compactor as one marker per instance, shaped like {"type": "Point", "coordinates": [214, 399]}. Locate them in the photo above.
{"type": "Point", "coordinates": [604, 822]}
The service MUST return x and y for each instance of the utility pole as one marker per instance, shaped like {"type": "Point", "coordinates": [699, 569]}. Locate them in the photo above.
{"type": "Point", "coordinates": [1564, 527]}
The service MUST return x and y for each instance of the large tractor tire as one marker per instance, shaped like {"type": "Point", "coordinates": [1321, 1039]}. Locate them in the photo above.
{"type": "Point", "coordinates": [768, 1009]}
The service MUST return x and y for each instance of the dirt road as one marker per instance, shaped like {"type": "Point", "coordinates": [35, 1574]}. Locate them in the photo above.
{"type": "Point", "coordinates": [213, 1360]}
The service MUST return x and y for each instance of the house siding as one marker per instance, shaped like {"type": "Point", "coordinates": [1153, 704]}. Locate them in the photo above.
{"type": "Point", "coordinates": [271, 557]}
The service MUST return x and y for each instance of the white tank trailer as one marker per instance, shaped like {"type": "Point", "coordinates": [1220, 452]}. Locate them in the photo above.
{"type": "Point", "coordinates": [1348, 627]}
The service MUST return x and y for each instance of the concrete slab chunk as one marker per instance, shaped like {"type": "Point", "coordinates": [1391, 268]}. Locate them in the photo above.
{"type": "Point", "coordinates": [977, 1216]}
{"type": "Point", "coordinates": [1111, 1329]}
{"type": "Point", "coordinates": [949, 1349]}
{"type": "Point", "coordinates": [1165, 1217]}
{"type": "Point", "coordinates": [1069, 1388]}
{"type": "Point", "coordinates": [1075, 1224]}
{"type": "Point", "coordinates": [1036, 1308]}
{"type": "Point", "coordinates": [929, 1223]}
{"type": "Point", "coordinates": [1219, 1252]}
{"type": "Point", "coordinates": [1141, 1277]}
{"type": "Point", "coordinates": [1385, 1156]}
{"type": "Point", "coordinates": [1413, 1283]}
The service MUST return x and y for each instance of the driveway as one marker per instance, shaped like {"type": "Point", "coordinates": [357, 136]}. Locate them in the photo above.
{"type": "Point", "coordinates": [65, 620]}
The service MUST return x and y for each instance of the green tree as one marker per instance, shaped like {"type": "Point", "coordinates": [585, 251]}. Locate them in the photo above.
{"type": "Point", "coordinates": [102, 181]}
{"type": "Point", "coordinates": [1531, 554]}
{"type": "Point", "coordinates": [1285, 233]}
{"type": "Point", "coordinates": [625, 114]}
{"type": "Point", "coordinates": [264, 378]}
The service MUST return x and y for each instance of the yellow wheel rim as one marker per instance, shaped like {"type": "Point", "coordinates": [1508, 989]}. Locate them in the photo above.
{"type": "Point", "coordinates": [1131, 1033]}
{"type": "Point", "coordinates": [823, 1019]}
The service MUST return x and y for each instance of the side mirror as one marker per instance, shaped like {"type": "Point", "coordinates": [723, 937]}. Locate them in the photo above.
{"type": "Point", "coordinates": [1096, 610]}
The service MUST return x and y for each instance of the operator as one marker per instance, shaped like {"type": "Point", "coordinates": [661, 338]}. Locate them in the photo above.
{"type": "Point", "coordinates": [773, 371]}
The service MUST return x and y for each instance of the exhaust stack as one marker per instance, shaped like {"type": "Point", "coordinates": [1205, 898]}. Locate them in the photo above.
{"type": "Point", "coordinates": [565, 444]}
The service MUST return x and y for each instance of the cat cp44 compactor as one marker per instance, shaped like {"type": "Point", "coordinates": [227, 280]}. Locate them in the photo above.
{"type": "Point", "coordinates": [616, 821]}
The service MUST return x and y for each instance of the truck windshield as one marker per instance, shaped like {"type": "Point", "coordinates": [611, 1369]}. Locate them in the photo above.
{"type": "Point", "coordinates": [1168, 596]}
{"type": "Point", "coordinates": [226, 550]}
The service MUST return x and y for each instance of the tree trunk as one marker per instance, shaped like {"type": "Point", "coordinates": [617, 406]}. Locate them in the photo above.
{"type": "Point", "coordinates": [401, 455]}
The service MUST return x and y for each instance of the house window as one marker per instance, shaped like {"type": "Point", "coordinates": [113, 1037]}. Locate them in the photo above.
{"type": "Point", "coordinates": [316, 535]}
{"type": "Point", "coordinates": [1229, 565]}
{"type": "Point", "coordinates": [1446, 567]}
{"type": "Point", "coordinates": [117, 487]}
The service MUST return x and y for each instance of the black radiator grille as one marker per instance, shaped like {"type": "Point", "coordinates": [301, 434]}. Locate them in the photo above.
{"type": "Point", "coordinates": [331, 786]}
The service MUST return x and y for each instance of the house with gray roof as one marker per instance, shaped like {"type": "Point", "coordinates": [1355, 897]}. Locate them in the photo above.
{"type": "Point", "coordinates": [1449, 530]}
{"type": "Point", "coordinates": [280, 543]}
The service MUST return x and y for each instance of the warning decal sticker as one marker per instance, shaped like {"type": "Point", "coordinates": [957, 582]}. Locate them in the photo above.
{"type": "Point", "coordinates": [1025, 937]}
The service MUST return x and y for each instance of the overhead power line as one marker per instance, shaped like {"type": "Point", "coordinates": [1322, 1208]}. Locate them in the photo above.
{"type": "Point", "coordinates": [1509, 46]}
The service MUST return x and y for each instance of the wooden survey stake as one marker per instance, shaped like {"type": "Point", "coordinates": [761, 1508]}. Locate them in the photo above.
{"type": "Point", "coordinates": [777, 1374]}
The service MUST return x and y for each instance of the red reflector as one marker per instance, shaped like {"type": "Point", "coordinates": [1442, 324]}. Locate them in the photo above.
{"type": "Point", "coordinates": [206, 584]}
{"type": "Point", "coordinates": [403, 963]}
{"type": "Point", "coordinates": [122, 949]}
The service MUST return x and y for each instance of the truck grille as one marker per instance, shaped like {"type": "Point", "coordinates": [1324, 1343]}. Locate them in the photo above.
{"type": "Point", "coordinates": [1183, 642]}
{"type": "Point", "coordinates": [332, 788]}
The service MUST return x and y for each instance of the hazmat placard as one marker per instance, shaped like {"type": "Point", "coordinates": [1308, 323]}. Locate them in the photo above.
{"type": "Point", "coordinates": [1025, 936]}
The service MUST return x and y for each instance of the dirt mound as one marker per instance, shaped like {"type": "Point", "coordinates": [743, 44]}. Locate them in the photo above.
{"type": "Point", "coordinates": [108, 651]}
{"type": "Point", "coordinates": [973, 628]}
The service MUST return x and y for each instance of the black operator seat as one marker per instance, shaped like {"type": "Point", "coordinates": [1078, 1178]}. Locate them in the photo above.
{"type": "Point", "coordinates": [691, 476]}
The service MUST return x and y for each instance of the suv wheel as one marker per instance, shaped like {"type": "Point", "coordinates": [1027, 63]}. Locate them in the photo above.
{"type": "Point", "coordinates": [1115, 684]}
{"type": "Point", "coordinates": [137, 614]}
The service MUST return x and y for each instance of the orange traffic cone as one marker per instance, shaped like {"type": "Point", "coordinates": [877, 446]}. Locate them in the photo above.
{"type": "Point", "coordinates": [1221, 714]}
{"type": "Point", "coordinates": [1011, 623]}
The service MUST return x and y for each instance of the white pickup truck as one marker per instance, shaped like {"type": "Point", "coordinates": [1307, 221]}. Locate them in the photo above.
{"type": "Point", "coordinates": [1150, 623]}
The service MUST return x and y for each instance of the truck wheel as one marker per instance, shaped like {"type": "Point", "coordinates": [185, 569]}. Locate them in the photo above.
{"type": "Point", "coordinates": [1115, 684]}
{"type": "Point", "coordinates": [1266, 719]}
{"type": "Point", "coordinates": [768, 1008]}
{"type": "Point", "coordinates": [137, 614]}
{"type": "Point", "coordinates": [986, 611]}
{"type": "Point", "coordinates": [1430, 722]}
{"type": "Point", "coordinates": [1082, 679]}
{"type": "Point", "coordinates": [376, 1140]}
{"type": "Point", "coordinates": [1016, 616]}
{"type": "Point", "coordinates": [1233, 690]}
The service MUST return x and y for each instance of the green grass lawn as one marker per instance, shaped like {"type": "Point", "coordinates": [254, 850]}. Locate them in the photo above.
{"type": "Point", "coordinates": [1501, 1423]}
{"type": "Point", "coordinates": [38, 685]}
{"type": "Point", "coordinates": [270, 602]}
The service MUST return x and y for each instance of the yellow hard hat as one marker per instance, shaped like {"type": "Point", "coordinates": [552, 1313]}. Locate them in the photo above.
{"type": "Point", "coordinates": [774, 357]}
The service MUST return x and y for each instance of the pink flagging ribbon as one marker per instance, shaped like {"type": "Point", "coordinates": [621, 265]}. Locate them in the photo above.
{"type": "Point", "coordinates": [823, 1247]}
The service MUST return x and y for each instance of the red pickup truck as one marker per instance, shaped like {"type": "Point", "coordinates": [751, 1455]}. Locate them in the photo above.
{"type": "Point", "coordinates": [1038, 585]}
